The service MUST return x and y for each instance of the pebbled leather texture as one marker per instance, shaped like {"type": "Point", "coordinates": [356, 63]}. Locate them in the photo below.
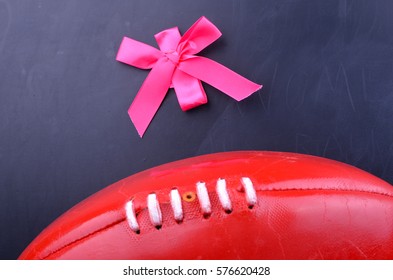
{"type": "Point", "coordinates": [307, 208]}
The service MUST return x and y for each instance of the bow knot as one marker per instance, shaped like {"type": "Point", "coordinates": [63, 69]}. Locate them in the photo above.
{"type": "Point", "coordinates": [176, 65]}
{"type": "Point", "coordinates": [173, 56]}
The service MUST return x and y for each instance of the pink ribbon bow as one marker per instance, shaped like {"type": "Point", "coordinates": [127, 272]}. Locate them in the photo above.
{"type": "Point", "coordinates": [176, 65]}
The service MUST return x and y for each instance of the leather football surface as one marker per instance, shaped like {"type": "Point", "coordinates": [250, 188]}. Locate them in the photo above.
{"type": "Point", "coordinates": [234, 205]}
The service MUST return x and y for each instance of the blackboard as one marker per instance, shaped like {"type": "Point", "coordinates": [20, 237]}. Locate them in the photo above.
{"type": "Point", "coordinates": [326, 67]}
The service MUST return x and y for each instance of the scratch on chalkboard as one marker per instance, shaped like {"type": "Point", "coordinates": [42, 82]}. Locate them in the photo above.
{"type": "Point", "coordinates": [343, 9]}
{"type": "Point", "coordinates": [239, 110]}
{"type": "Point", "coordinates": [347, 87]}
{"type": "Point", "coordinates": [302, 143]}
{"type": "Point", "coordinates": [387, 162]}
{"type": "Point", "coordinates": [269, 97]}
{"type": "Point", "coordinates": [364, 85]}
{"type": "Point", "coordinates": [332, 143]}
{"type": "Point", "coordinates": [296, 80]}
{"type": "Point", "coordinates": [5, 15]}
{"type": "Point", "coordinates": [329, 79]}
{"type": "Point", "coordinates": [273, 84]}
{"type": "Point", "coordinates": [373, 146]}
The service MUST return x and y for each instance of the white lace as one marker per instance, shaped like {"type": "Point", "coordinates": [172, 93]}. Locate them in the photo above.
{"type": "Point", "coordinates": [223, 195]}
{"type": "Point", "coordinates": [131, 217]}
{"type": "Point", "coordinates": [154, 209]}
{"type": "Point", "coordinates": [203, 197]}
{"type": "Point", "coordinates": [251, 195]}
{"type": "Point", "coordinates": [176, 205]}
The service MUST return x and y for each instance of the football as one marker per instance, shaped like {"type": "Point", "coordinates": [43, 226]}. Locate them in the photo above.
{"type": "Point", "coordinates": [233, 205]}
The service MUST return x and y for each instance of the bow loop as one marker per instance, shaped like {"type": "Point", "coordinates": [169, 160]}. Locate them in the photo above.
{"type": "Point", "coordinates": [200, 35]}
{"type": "Point", "coordinates": [175, 65]}
{"type": "Point", "coordinates": [168, 39]}
{"type": "Point", "coordinates": [143, 56]}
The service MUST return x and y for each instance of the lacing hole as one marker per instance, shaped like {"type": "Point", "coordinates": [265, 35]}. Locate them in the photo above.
{"type": "Point", "coordinates": [228, 211]}
{"type": "Point", "coordinates": [206, 215]}
{"type": "Point", "coordinates": [189, 196]}
{"type": "Point", "coordinates": [250, 206]}
{"type": "Point", "coordinates": [138, 231]}
{"type": "Point", "coordinates": [158, 227]}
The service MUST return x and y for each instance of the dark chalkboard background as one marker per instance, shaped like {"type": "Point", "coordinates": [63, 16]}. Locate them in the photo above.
{"type": "Point", "coordinates": [326, 67]}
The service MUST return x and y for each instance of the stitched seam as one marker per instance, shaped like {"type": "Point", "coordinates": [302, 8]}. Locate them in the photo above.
{"type": "Point", "coordinates": [324, 189]}
{"type": "Point", "coordinates": [153, 205]}
{"type": "Point", "coordinates": [260, 190]}
{"type": "Point", "coordinates": [84, 237]}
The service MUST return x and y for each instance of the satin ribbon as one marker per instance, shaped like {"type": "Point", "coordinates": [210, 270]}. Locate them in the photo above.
{"type": "Point", "coordinates": [176, 66]}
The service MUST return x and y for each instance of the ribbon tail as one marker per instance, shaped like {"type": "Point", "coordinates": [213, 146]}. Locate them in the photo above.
{"type": "Point", "coordinates": [150, 95]}
{"type": "Point", "coordinates": [219, 76]}
{"type": "Point", "coordinates": [189, 90]}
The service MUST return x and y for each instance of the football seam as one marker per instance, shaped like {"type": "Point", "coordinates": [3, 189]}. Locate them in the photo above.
{"type": "Point", "coordinates": [153, 205]}
{"type": "Point", "coordinates": [354, 191]}
{"type": "Point", "coordinates": [84, 237]}
{"type": "Point", "coordinates": [324, 189]}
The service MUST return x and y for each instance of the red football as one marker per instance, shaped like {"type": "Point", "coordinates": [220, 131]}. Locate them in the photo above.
{"type": "Point", "coordinates": [235, 205]}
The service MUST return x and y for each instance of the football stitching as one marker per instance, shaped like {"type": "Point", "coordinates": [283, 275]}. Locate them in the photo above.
{"type": "Point", "coordinates": [90, 235]}
{"type": "Point", "coordinates": [205, 204]}
{"type": "Point", "coordinates": [154, 210]}
{"type": "Point", "coordinates": [330, 189]}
